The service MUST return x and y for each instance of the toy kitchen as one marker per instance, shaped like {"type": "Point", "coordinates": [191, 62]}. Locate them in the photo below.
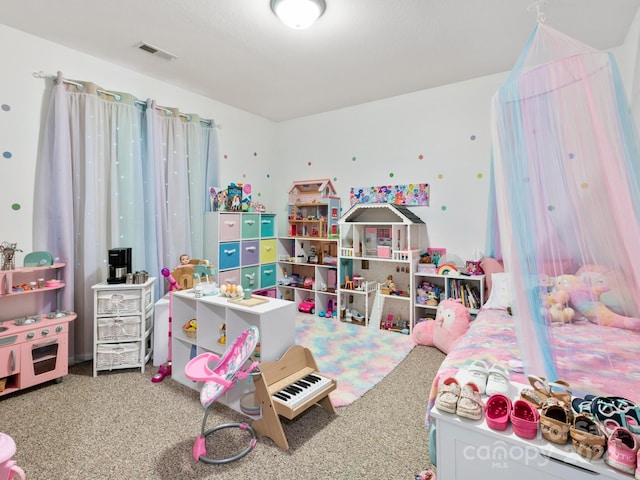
{"type": "Point", "coordinates": [34, 334]}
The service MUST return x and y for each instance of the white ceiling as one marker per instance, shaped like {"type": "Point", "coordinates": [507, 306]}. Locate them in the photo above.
{"type": "Point", "coordinates": [237, 52]}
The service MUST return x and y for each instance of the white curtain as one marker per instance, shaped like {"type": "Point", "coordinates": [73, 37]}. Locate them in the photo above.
{"type": "Point", "coordinates": [116, 172]}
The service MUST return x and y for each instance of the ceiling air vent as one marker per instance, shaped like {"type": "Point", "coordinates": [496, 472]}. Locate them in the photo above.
{"type": "Point", "coordinates": [153, 50]}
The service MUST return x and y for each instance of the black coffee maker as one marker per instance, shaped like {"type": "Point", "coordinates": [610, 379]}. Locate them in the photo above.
{"type": "Point", "coordinates": [119, 264]}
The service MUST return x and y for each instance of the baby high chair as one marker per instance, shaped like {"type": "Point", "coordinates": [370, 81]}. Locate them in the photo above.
{"type": "Point", "coordinates": [217, 380]}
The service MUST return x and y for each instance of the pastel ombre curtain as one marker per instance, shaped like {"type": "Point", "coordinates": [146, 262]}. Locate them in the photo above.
{"type": "Point", "coordinates": [114, 173]}
{"type": "Point", "coordinates": [566, 187]}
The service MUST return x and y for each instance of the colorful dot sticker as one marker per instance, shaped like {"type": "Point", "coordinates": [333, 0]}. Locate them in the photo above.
{"type": "Point", "coordinates": [244, 175]}
{"type": "Point", "coordinates": [6, 154]}
{"type": "Point", "coordinates": [225, 156]}
{"type": "Point", "coordinates": [255, 154]}
{"type": "Point", "coordinates": [5, 107]}
{"type": "Point", "coordinates": [353, 159]}
{"type": "Point", "coordinates": [584, 185]}
{"type": "Point", "coordinates": [479, 176]}
{"type": "Point", "coordinates": [309, 163]}
{"type": "Point", "coordinates": [268, 175]}
{"type": "Point", "coordinates": [571, 155]}
{"type": "Point", "coordinates": [391, 174]}
{"type": "Point", "coordinates": [443, 208]}
{"type": "Point", "coordinates": [551, 208]}
{"type": "Point", "coordinates": [473, 137]}
{"type": "Point", "coordinates": [440, 176]}
{"type": "Point", "coordinates": [335, 179]}
{"type": "Point", "coordinates": [16, 206]}
{"type": "Point", "coordinates": [420, 157]}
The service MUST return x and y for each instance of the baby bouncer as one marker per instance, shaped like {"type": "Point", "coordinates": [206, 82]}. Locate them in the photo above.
{"type": "Point", "coordinates": [220, 374]}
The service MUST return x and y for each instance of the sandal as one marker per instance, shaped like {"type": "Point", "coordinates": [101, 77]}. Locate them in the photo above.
{"type": "Point", "coordinates": [538, 393]}
{"type": "Point", "coordinates": [498, 380]}
{"type": "Point", "coordinates": [524, 418]}
{"type": "Point", "coordinates": [616, 412]}
{"type": "Point", "coordinates": [560, 390]}
{"type": "Point", "coordinates": [470, 402]}
{"type": "Point", "coordinates": [498, 411]}
{"type": "Point", "coordinates": [479, 371]}
{"type": "Point", "coordinates": [587, 438]}
{"type": "Point", "coordinates": [555, 421]}
{"type": "Point", "coordinates": [448, 394]}
{"type": "Point", "coordinates": [581, 405]}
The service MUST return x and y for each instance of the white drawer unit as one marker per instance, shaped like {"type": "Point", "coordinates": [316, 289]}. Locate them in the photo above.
{"type": "Point", "coordinates": [123, 325]}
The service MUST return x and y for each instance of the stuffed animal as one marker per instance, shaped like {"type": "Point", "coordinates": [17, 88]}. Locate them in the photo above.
{"type": "Point", "coordinates": [584, 295]}
{"type": "Point", "coordinates": [451, 323]}
{"type": "Point", "coordinates": [559, 309]}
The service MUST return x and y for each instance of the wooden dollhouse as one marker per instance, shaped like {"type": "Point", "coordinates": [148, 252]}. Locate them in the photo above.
{"type": "Point", "coordinates": [314, 209]}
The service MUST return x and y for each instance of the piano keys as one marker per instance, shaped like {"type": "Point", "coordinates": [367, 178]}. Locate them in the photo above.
{"type": "Point", "coordinates": [301, 390]}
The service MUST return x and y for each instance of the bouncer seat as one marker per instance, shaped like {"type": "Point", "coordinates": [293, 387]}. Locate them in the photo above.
{"type": "Point", "coordinates": [220, 374]}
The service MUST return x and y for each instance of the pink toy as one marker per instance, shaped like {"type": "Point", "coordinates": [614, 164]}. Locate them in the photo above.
{"type": "Point", "coordinates": [8, 468]}
{"type": "Point", "coordinates": [584, 295]}
{"type": "Point", "coordinates": [452, 322]}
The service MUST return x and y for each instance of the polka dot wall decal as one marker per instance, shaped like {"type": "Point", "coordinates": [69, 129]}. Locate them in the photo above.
{"type": "Point", "coordinates": [440, 176]}
{"type": "Point", "coordinates": [268, 175]}
{"type": "Point", "coordinates": [391, 174]}
{"type": "Point", "coordinates": [420, 157]}
{"type": "Point", "coordinates": [584, 185]}
{"type": "Point", "coordinates": [551, 208]}
{"type": "Point", "coordinates": [309, 163]}
{"type": "Point", "coordinates": [571, 155]}
{"type": "Point", "coordinates": [225, 156]}
{"type": "Point", "coordinates": [473, 137]}
{"type": "Point", "coordinates": [16, 206]}
{"type": "Point", "coordinates": [6, 154]}
{"type": "Point", "coordinates": [335, 179]}
{"type": "Point", "coordinates": [353, 159]}
{"type": "Point", "coordinates": [244, 175]}
{"type": "Point", "coordinates": [255, 154]}
{"type": "Point", "coordinates": [443, 208]}
{"type": "Point", "coordinates": [6, 107]}
{"type": "Point", "coordinates": [480, 176]}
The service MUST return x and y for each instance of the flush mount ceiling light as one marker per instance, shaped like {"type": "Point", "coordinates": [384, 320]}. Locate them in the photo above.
{"type": "Point", "coordinates": [298, 14]}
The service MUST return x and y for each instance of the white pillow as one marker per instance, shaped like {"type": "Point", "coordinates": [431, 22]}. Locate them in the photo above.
{"type": "Point", "coordinates": [500, 298]}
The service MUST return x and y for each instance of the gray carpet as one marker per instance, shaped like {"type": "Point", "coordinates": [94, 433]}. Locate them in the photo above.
{"type": "Point", "coordinates": [121, 425]}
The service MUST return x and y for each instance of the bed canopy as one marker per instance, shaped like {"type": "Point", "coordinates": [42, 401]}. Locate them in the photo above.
{"type": "Point", "coordinates": [565, 195]}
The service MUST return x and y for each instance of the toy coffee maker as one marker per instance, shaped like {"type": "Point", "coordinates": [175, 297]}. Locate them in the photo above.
{"type": "Point", "coordinates": [119, 265]}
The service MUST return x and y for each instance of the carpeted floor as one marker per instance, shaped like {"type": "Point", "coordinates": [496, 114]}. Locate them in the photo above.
{"type": "Point", "coordinates": [121, 425]}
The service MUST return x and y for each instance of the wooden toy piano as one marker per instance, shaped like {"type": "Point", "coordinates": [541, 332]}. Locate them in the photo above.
{"type": "Point", "coordinates": [288, 387]}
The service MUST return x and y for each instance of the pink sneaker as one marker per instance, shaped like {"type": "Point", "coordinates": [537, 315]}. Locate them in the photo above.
{"type": "Point", "coordinates": [622, 451]}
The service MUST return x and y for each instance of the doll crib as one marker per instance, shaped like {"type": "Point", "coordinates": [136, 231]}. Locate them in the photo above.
{"type": "Point", "coordinates": [219, 379]}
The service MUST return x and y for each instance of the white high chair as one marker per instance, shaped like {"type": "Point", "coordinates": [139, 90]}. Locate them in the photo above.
{"type": "Point", "coordinates": [217, 380]}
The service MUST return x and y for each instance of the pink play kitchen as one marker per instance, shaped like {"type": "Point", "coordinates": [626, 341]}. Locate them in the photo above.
{"type": "Point", "coordinates": [33, 332]}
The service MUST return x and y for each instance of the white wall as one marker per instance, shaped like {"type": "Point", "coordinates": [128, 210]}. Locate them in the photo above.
{"type": "Point", "coordinates": [356, 146]}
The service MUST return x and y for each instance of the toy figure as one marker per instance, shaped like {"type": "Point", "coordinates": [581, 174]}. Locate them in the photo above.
{"type": "Point", "coordinates": [184, 260]}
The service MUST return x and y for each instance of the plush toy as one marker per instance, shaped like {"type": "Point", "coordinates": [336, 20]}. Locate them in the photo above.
{"type": "Point", "coordinates": [452, 322]}
{"type": "Point", "coordinates": [559, 309]}
{"type": "Point", "coordinates": [584, 295]}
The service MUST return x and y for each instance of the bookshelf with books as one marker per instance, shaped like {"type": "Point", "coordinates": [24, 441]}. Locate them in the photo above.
{"type": "Point", "coordinates": [432, 288]}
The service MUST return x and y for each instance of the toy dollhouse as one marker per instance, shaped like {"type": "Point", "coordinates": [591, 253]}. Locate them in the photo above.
{"type": "Point", "coordinates": [314, 209]}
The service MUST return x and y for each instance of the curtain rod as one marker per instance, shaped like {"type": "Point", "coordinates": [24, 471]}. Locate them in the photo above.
{"type": "Point", "coordinates": [118, 97]}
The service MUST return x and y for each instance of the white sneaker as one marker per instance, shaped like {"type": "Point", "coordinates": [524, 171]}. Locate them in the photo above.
{"type": "Point", "coordinates": [498, 380]}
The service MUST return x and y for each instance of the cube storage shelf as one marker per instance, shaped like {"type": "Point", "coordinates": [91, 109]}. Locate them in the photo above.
{"type": "Point", "coordinates": [275, 320]}
{"type": "Point", "coordinates": [123, 325]}
{"type": "Point", "coordinates": [243, 248]}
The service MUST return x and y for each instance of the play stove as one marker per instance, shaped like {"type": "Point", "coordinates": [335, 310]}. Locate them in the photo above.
{"type": "Point", "coordinates": [34, 349]}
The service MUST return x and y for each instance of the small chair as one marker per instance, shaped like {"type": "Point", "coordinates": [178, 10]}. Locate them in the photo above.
{"type": "Point", "coordinates": [38, 259]}
{"type": "Point", "coordinates": [217, 380]}
{"type": "Point", "coordinates": [347, 282]}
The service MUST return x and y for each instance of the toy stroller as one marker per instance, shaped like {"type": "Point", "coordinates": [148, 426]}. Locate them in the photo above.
{"type": "Point", "coordinates": [218, 380]}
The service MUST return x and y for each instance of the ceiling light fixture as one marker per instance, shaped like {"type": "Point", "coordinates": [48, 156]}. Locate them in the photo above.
{"type": "Point", "coordinates": [298, 14]}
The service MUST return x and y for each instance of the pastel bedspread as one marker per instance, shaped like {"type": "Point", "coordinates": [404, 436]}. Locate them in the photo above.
{"type": "Point", "coordinates": [593, 359]}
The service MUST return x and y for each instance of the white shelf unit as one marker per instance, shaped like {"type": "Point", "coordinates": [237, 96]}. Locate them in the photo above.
{"type": "Point", "coordinates": [311, 259]}
{"type": "Point", "coordinates": [275, 320]}
{"type": "Point", "coordinates": [449, 287]}
{"type": "Point", "coordinates": [242, 245]}
{"type": "Point", "coordinates": [470, 449]}
{"type": "Point", "coordinates": [123, 325]}
{"type": "Point", "coordinates": [378, 241]}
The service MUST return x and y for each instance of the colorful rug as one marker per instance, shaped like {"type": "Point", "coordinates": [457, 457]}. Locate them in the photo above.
{"type": "Point", "coordinates": [357, 357]}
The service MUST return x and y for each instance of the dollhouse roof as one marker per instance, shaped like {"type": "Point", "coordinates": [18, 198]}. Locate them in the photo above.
{"type": "Point", "coordinates": [380, 213]}
{"type": "Point", "coordinates": [322, 186]}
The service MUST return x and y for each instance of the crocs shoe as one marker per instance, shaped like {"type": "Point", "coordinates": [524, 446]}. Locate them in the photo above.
{"type": "Point", "coordinates": [498, 380]}
{"type": "Point", "coordinates": [498, 411]}
{"type": "Point", "coordinates": [587, 438]}
{"type": "Point", "coordinates": [470, 402]}
{"type": "Point", "coordinates": [479, 372]}
{"type": "Point", "coordinates": [448, 394]}
{"type": "Point", "coordinates": [622, 451]}
{"type": "Point", "coordinates": [555, 421]}
{"type": "Point", "coordinates": [524, 418]}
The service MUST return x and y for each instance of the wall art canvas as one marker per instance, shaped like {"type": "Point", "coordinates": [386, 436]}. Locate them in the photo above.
{"type": "Point", "coordinates": [410, 194]}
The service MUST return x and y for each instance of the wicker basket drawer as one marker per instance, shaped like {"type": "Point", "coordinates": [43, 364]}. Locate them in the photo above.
{"type": "Point", "coordinates": [118, 355]}
{"type": "Point", "coordinates": [121, 328]}
{"type": "Point", "coordinates": [121, 302]}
